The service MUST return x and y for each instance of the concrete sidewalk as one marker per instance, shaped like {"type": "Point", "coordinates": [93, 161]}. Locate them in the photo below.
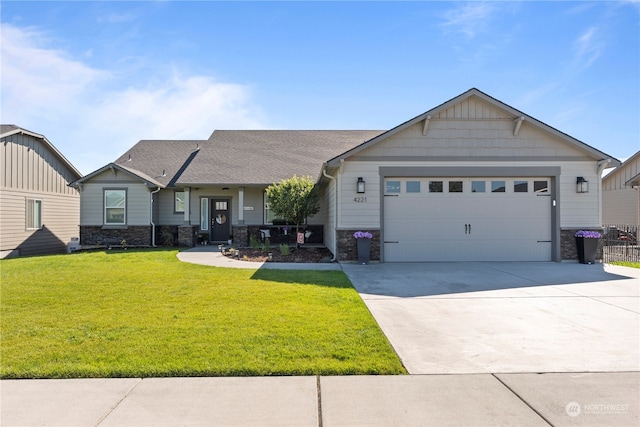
{"type": "Point", "coordinates": [558, 399]}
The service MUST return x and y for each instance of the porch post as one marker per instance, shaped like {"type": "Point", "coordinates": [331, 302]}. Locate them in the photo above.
{"type": "Point", "coordinates": [241, 206]}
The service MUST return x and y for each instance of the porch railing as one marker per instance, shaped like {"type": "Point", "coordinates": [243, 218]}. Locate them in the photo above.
{"type": "Point", "coordinates": [620, 243]}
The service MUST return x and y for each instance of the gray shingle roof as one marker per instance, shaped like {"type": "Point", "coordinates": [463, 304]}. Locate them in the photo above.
{"type": "Point", "coordinates": [7, 128]}
{"type": "Point", "coordinates": [244, 157]}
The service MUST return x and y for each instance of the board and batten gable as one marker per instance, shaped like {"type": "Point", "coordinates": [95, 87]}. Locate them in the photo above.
{"type": "Point", "coordinates": [621, 193]}
{"type": "Point", "coordinates": [33, 170]}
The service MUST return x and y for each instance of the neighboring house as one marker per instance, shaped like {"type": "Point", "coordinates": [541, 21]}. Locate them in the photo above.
{"type": "Point", "coordinates": [621, 194]}
{"type": "Point", "coordinates": [472, 179]}
{"type": "Point", "coordinates": [39, 212]}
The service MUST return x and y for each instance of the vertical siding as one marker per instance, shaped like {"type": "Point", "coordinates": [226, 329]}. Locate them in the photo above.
{"type": "Point", "coordinates": [617, 178]}
{"type": "Point", "coordinates": [29, 170]}
{"type": "Point", "coordinates": [29, 165]}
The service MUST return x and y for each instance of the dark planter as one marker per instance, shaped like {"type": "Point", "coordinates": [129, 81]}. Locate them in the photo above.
{"type": "Point", "coordinates": [364, 250]}
{"type": "Point", "coordinates": [587, 250]}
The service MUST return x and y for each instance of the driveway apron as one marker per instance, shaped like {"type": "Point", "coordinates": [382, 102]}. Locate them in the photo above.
{"type": "Point", "coordinates": [460, 318]}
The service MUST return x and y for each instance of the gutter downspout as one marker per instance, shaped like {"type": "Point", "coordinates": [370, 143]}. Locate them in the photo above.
{"type": "Point", "coordinates": [153, 226]}
{"type": "Point", "coordinates": [324, 173]}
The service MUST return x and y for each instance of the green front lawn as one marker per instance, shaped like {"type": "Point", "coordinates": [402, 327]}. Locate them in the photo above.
{"type": "Point", "coordinates": [144, 313]}
{"type": "Point", "coordinates": [627, 264]}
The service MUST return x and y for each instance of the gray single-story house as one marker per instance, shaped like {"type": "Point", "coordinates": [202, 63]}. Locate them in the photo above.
{"type": "Point", "coordinates": [39, 212]}
{"type": "Point", "coordinates": [471, 179]}
{"type": "Point", "coordinates": [621, 193]}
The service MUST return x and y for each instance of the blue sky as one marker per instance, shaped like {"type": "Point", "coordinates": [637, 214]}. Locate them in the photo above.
{"type": "Point", "coordinates": [96, 77]}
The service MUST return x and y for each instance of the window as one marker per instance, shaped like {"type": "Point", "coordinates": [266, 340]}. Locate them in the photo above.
{"type": "Point", "coordinates": [204, 214]}
{"type": "Point", "coordinates": [478, 187]}
{"type": "Point", "coordinates": [540, 187]}
{"type": "Point", "coordinates": [115, 207]}
{"type": "Point", "coordinates": [520, 186]}
{"type": "Point", "coordinates": [497, 186]}
{"type": "Point", "coordinates": [455, 186]}
{"type": "Point", "coordinates": [413, 186]}
{"type": "Point", "coordinates": [221, 206]}
{"type": "Point", "coordinates": [435, 187]}
{"type": "Point", "coordinates": [179, 201]}
{"type": "Point", "coordinates": [393, 186]}
{"type": "Point", "coordinates": [34, 214]}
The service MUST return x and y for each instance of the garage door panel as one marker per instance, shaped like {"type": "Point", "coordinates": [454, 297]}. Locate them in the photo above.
{"type": "Point", "coordinates": [468, 226]}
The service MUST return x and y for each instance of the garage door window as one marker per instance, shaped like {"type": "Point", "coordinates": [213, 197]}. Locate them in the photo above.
{"type": "Point", "coordinates": [435, 187]}
{"type": "Point", "coordinates": [497, 187]}
{"type": "Point", "coordinates": [393, 186]}
{"type": "Point", "coordinates": [413, 186]}
{"type": "Point", "coordinates": [540, 186]}
{"type": "Point", "coordinates": [455, 186]}
{"type": "Point", "coordinates": [520, 186]}
{"type": "Point", "coordinates": [477, 186]}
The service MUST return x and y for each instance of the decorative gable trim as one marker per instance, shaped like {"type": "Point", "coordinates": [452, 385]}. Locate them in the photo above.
{"type": "Point", "coordinates": [504, 111]}
{"type": "Point", "coordinates": [115, 168]}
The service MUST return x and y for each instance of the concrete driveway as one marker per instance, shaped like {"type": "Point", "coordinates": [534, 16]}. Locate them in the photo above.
{"type": "Point", "coordinates": [454, 318]}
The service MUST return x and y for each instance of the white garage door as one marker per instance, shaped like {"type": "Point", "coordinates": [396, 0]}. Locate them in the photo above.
{"type": "Point", "coordinates": [467, 219]}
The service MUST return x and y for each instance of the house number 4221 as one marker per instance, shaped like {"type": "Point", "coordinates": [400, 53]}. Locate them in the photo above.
{"type": "Point", "coordinates": [360, 199]}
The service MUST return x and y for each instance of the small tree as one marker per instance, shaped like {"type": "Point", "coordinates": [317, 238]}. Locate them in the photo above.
{"type": "Point", "coordinates": [294, 199]}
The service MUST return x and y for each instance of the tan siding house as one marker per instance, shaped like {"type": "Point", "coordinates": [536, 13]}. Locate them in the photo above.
{"type": "Point", "coordinates": [471, 179]}
{"type": "Point", "coordinates": [39, 212]}
{"type": "Point", "coordinates": [621, 194]}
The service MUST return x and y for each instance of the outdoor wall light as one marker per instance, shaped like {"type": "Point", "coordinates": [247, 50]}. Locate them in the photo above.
{"type": "Point", "coordinates": [582, 185]}
{"type": "Point", "coordinates": [360, 185]}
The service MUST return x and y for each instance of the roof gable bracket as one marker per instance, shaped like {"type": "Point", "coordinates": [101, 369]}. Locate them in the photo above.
{"type": "Point", "coordinates": [425, 128]}
{"type": "Point", "coordinates": [517, 123]}
{"type": "Point", "coordinates": [114, 171]}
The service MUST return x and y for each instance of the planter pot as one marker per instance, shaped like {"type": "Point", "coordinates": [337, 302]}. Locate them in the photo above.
{"type": "Point", "coordinates": [587, 250]}
{"type": "Point", "coordinates": [364, 250]}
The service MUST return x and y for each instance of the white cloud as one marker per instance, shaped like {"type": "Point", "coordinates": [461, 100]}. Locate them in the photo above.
{"type": "Point", "coordinates": [92, 116]}
{"type": "Point", "coordinates": [588, 47]}
{"type": "Point", "coordinates": [469, 19]}
{"type": "Point", "coordinates": [36, 80]}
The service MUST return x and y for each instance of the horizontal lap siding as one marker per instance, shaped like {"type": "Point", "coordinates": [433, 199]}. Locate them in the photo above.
{"type": "Point", "coordinates": [459, 138]}
{"type": "Point", "coordinates": [60, 219]}
{"type": "Point", "coordinates": [621, 206]}
{"type": "Point", "coordinates": [576, 210]}
{"type": "Point", "coordinates": [138, 210]}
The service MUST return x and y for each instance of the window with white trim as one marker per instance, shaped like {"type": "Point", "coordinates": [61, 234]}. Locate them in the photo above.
{"type": "Point", "coordinates": [34, 214]}
{"type": "Point", "coordinates": [179, 201]}
{"type": "Point", "coordinates": [204, 214]}
{"type": "Point", "coordinates": [115, 204]}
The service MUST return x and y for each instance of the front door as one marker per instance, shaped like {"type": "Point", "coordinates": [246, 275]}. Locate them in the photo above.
{"type": "Point", "coordinates": [220, 220]}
